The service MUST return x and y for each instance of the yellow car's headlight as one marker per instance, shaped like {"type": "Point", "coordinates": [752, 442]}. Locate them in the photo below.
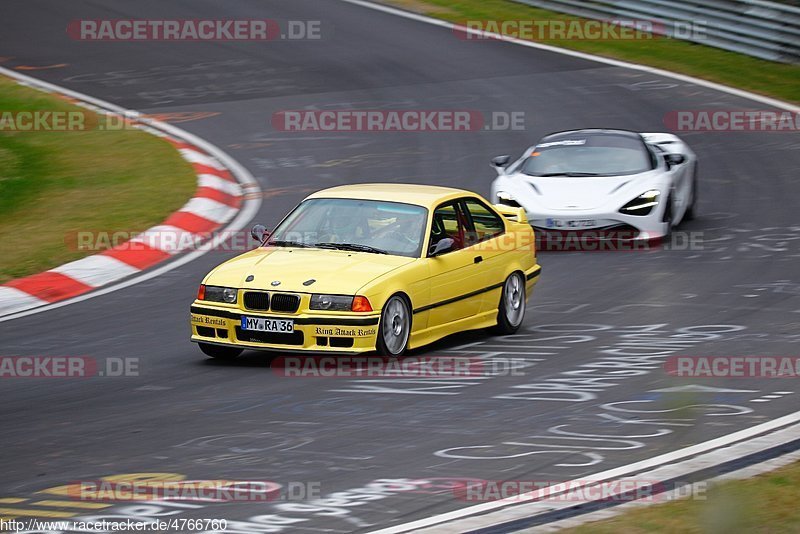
{"type": "Point", "coordinates": [331, 302]}
{"type": "Point", "coordinates": [217, 294]}
{"type": "Point", "coordinates": [357, 303]}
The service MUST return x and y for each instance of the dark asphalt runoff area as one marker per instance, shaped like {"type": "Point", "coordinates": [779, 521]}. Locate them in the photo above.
{"type": "Point", "coordinates": [584, 396]}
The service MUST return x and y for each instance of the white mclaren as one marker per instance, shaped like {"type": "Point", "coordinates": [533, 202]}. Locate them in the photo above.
{"type": "Point", "coordinates": [613, 184]}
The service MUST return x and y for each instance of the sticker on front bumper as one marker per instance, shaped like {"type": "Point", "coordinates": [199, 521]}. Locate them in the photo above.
{"type": "Point", "coordinates": [266, 324]}
{"type": "Point", "coordinates": [345, 331]}
{"type": "Point", "coordinates": [210, 321]}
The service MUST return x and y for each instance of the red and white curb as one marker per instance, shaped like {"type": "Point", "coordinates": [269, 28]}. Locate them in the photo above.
{"type": "Point", "coordinates": [216, 201]}
{"type": "Point", "coordinates": [224, 195]}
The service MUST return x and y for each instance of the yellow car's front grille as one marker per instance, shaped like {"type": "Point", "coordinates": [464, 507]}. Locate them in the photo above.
{"type": "Point", "coordinates": [256, 300]}
{"type": "Point", "coordinates": [284, 302]}
{"type": "Point", "coordinates": [279, 302]}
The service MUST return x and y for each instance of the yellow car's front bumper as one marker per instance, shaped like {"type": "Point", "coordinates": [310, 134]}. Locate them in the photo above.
{"type": "Point", "coordinates": [346, 333]}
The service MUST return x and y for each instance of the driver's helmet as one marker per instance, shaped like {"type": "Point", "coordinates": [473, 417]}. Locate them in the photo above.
{"type": "Point", "coordinates": [343, 225]}
{"type": "Point", "coordinates": [409, 224]}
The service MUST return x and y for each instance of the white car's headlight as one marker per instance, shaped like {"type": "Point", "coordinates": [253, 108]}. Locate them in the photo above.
{"type": "Point", "coordinates": [507, 199]}
{"type": "Point", "coordinates": [643, 204]}
{"type": "Point", "coordinates": [217, 294]}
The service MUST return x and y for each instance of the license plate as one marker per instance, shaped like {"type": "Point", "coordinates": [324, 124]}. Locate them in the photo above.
{"type": "Point", "coordinates": [266, 324]}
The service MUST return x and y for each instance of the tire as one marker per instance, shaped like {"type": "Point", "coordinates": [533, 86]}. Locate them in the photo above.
{"type": "Point", "coordinates": [668, 212]}
{"type": "Point", "coordinates": [218, 352]}
{"type": "Point", "coordinates": [394, 328]}
{"type": "Point", "coordinates": [511, 310]}
{"type": "Point", "coordinates": [691, 212]}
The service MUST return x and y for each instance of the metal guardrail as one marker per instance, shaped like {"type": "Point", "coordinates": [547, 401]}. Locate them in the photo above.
{"type": "Point", "coordinates": [758, 28]}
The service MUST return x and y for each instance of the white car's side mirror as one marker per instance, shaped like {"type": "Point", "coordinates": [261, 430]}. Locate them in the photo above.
{"type": "Point", "coordinates": [501, 161]}
{"type": "Point", "coordinates": [674, 159]}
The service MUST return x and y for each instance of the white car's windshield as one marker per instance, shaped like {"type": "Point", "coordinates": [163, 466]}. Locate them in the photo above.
{"type": "Point", "coordinates": [358, 225]}
{"type": "Point", "coordinates": [588, 155]}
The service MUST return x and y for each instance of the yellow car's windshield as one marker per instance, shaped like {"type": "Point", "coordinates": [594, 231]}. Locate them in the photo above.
{"type": "Point", "coordinates": [352, 224]}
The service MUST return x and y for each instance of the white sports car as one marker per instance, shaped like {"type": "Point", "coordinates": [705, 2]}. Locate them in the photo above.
{"type": "Point", "coordinates": [613, 184]}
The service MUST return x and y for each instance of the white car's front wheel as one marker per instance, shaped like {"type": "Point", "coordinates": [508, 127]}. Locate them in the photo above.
{"type": "Point", "coordinates": [669, 216]}
{"type": "Point", "coordinates": [691, 211]}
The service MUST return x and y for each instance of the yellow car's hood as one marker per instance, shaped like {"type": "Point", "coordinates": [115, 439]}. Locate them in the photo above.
{"type": "Point", "coordinates": [334, 271]}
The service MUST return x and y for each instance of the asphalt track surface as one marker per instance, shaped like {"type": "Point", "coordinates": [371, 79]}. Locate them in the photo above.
{"type": "Point", "coordinates": [204, 419]}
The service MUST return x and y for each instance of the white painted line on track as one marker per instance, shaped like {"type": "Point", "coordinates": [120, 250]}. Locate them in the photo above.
{"type": "Point", "coordinates": [615, 473]}
{"type": "Point", "coordinates": [697, 463]}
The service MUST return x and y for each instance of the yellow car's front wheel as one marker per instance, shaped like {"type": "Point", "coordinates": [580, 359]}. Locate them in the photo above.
{"type": "Point", "coordinates": [394, 328]}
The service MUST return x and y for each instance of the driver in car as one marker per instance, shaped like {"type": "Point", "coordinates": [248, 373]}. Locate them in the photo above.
{"type": "Point", "coordinates": [403, 234]}
{"type": "Point", "coordinates": [343, 227]}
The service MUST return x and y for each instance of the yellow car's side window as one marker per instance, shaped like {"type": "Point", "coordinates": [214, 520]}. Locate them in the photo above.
{"type": "Point", "coordinates": [487, 224]}
{"type": "Point", "coordinates": [449, 221]}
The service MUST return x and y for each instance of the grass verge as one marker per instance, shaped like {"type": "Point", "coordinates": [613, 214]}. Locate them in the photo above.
{"type": "Point", "coordinates": [54, 184]}
{"type": "Point", "coordinates": [765, 503]}
{"type": "Point", "coordinates": [768, 78]}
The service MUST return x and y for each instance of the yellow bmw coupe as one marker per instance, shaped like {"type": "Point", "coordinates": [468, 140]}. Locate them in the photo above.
{"type": "Point", "coordinates": [371, 267]}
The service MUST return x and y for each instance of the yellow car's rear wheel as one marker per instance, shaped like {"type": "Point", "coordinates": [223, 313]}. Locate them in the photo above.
{"type": "Point", "coordinates": [218, 352]}
{"type": "Point", "coordinates": [511, 310]}
{"type": "Point", "coordinates": [394, 328]}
